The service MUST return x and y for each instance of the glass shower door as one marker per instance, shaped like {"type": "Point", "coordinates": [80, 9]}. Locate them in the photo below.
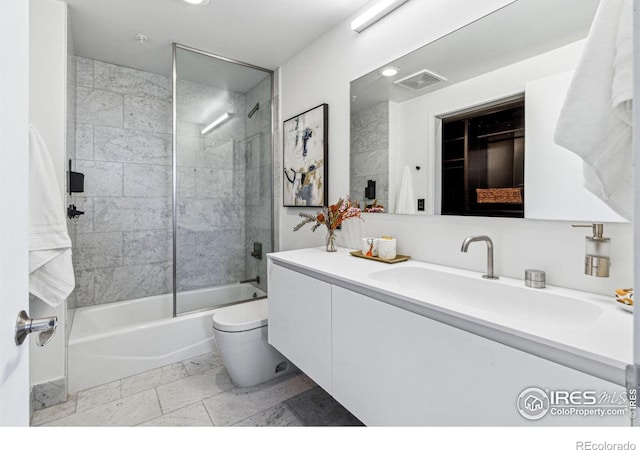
{"type": "Point", "coordinates": [222, 180]}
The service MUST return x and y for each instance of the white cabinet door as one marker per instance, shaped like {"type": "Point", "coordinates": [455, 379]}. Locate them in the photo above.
{"type": "Point", "coordinates": [392, 367]}
{"type": "Point", "coordinates": [300, 322]}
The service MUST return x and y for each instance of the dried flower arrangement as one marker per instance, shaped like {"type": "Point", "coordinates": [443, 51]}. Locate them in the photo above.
{"type": "Point", "coordinates": [331, 216]}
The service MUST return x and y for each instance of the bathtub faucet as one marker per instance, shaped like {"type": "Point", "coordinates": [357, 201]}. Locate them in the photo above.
{"type": "Point", "coordinates": [469, 240]}
{"type": "Point", "coordinates": [251, 280]}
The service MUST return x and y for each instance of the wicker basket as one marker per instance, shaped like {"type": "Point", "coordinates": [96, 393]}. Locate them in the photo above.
{"type": "Point", "coordinates": [500, 195]}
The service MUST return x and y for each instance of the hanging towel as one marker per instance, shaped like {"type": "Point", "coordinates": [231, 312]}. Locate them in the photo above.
{"type": "Point", "coordinates": [406, 202]}
{"type": "Point", "coordinates": [50, 269]}
{"type": "Point", "coordinates": [595, 121]}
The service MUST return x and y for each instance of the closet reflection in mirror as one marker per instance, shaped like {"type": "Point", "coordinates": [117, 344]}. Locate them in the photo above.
{"type": "Point", "coordinates": [483, 161]}
{"type": "Point", "coordinates": [526, 50]}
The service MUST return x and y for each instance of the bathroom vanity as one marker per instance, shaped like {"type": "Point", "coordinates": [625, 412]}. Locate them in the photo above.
{"type": "Point", "coordinates": [425, 345]}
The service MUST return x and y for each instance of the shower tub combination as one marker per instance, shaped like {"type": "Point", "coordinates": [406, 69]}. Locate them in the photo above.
{"type": "Point", "coordinates": [116, 340]}
{"type": "Point", "coordinates": [112, 341]}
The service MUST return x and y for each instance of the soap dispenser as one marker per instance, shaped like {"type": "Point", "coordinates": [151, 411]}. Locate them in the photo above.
{"type": "Point", "coordinates": [597, 251]}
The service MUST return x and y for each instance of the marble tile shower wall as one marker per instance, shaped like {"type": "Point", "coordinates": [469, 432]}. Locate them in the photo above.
{"type": "Point", "coordinates": [258, 158]}
{"type": "Point", "coordinates": [370, 152]}
{"type": "Point", "coordinates": [211, 188]}
{"type": "Point", "coordinates": [124, 148]}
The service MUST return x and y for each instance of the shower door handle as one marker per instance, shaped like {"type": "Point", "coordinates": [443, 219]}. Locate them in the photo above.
{"type": "Point", "coordinates": [46, 327]}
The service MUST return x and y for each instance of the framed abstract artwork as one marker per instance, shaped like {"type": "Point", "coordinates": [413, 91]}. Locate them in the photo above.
{"type": "Point", "coordinates": [306, 150]}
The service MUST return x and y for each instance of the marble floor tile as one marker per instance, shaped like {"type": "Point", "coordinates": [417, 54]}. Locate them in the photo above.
{"type": "Point", "coordinates": [317, 408]}
{"type": "Point", "coordinates": [198, 392]}
{"type": "Point", "coordinates": [55, 412]}
{"type": "Point", "coordinates": [277, 416]}
{"type": "Point", "coordinates": [153, 378]}
{"type": "Point", "coordinates": [183, 392]}
{"type": "Point", "coordinates": [97, 396]}
{"type": "Point", "coordinates": [203, 363]}
{"type": "Point", "coordinates": [194, 415]}
{"type": "Point", "coordinates": [49, 393]}
{"type": "Point", "coordinates": [126, 412]}
{"type": "Point", "coordinates": [238, 404]}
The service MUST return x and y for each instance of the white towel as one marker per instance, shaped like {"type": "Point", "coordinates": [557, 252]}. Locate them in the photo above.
{"type": "Point", "coordinates": [595, 121]}
{"type": "Point", "coordinates": [406, 202]}
{"type": "Point", "coordinates": [50, 268]}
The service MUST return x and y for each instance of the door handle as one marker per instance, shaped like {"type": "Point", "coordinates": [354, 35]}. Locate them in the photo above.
{"type": "Point", "coordinates": [46, 327]}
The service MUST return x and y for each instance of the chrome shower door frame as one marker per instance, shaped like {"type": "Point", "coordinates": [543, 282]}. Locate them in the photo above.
{"type": "Point", "coordinates": [174, 156]}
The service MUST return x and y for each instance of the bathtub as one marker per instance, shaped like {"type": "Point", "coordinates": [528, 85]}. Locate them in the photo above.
{"type": "Point", "coordinates": [116, 340]}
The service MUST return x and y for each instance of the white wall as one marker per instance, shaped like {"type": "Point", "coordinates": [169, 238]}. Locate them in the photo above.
{"type": "Point", "coordinates": [408, 132]}
{"type": "Point", "coordinates": [396, 155]}
{"type": "Point", "coordinates": [47, 111]}
{"type": "Point", "coordinates": [562, 193]}
{"type": "Point", "coordinates": [14, 236]}
{"type": "Point", "coordinates": [322, 72]}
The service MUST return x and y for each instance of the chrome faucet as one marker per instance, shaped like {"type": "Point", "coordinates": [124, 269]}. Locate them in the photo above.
{"type": "Point", "coordinates": [469, 240]}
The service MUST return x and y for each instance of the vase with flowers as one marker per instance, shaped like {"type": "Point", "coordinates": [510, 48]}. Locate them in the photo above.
{"type": "Point", "coordinates": [331, 216]}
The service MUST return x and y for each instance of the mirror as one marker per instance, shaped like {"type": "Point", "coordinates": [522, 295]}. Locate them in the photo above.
{"type": "Point", "coordinates": [528, 50]}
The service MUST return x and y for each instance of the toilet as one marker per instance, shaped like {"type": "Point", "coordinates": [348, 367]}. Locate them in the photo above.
{"type": "Point", "coordinates": [241, 333]}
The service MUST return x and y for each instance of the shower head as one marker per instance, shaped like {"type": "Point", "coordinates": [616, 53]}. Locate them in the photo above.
{"type": "Point", "coordinates": [254, 110]}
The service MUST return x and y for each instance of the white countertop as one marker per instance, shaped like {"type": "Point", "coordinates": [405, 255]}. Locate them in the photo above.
{"type": "Point", "coordinates": [602, 347]}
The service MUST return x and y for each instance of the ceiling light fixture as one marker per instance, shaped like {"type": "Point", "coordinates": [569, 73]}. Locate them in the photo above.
{"type": "Point", "coordinates": [375, 13]}
{"type": "Point", "coordinates": [389, 71]}
{"type": "Point", "coordinates": [216, 123]}
{"type": "Point", "coordinates": [197, 2]}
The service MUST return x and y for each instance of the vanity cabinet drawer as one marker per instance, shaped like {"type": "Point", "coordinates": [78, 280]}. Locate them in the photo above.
{"type": "Point", "coordinates": [300, 322]}
{"type": "Point", "coordinates": [392, 367]}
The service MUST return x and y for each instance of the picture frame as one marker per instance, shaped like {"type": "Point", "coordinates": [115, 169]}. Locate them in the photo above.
{"type": "Point", "coordinates": [305, 158]}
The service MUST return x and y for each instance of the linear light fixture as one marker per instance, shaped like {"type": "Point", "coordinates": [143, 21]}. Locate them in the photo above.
{"type": "Point", "coordinates": [197, 2]}
{"type": "Point", "coordinates": [375, 13]}
{"type": "Point", "coordinates": [216, 123]}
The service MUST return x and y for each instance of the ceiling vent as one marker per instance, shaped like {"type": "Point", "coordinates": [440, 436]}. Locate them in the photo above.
{"type": "Point", "coordinates": [420, 80]}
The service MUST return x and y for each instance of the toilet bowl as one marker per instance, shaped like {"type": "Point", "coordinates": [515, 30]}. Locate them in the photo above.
{"type": "Point", "coordinates": [241, 333]}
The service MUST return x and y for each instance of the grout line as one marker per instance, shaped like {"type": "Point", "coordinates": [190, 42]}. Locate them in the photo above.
{"type": "Point", "coordinates": [162, 413]}
{"type": "Point", "coordinates": [93, 141]}
{"type": "Point", "coordinates": [123, 192]}
{"type": "Point", "coordinates": [213, 423]}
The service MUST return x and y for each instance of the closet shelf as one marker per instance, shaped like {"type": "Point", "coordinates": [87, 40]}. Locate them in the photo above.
{"type": "Point", "coordinates": [498, 133]}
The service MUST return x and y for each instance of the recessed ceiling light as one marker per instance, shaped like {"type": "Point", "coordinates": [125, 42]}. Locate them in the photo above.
{"type": "Point", "coordinates": [389, 71]}
{"type": "Point", "coordinates": [197, 2]}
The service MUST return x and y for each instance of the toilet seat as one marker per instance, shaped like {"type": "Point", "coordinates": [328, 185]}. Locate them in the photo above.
{"type": "Point", "coordinates": [241, 317]}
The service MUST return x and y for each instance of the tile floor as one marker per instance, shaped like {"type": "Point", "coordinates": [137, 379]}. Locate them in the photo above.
{"type": "Point", "coordinates": [198, 392]}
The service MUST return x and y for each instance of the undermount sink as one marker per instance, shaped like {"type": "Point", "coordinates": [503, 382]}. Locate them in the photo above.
{"type": "Point", "coordinates": [494, 296]}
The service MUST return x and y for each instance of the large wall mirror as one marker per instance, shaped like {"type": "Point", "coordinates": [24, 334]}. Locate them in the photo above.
{"type": "Point", "coordinates": [524, 53]}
